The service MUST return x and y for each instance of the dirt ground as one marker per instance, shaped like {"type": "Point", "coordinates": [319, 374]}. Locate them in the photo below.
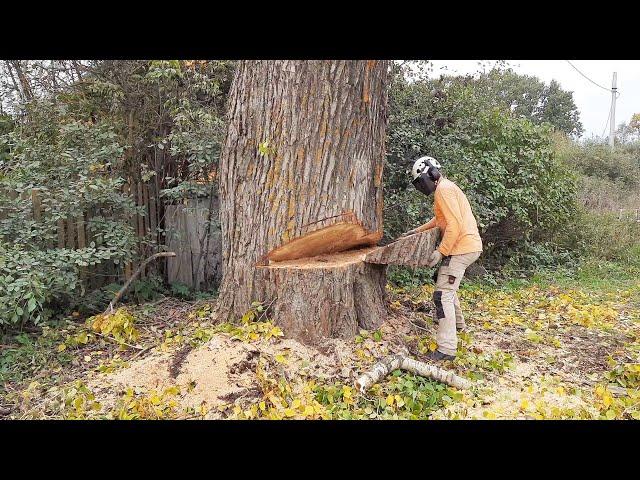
{"type": "Point", "coordinates": [533, 353]}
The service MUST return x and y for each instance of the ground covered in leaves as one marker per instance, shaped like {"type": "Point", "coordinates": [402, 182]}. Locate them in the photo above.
{"type": "Point", "coordinates": [549, 347]}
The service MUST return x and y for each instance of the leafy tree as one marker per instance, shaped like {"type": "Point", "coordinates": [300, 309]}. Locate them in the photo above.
{"type": "Point", "coordinates": [629, 133]}
{"type": "Point", "coordinates": [559, 109]}
{"type": "Point", "coordinates": [527, 96]}
{"type": "Point", "coordinates": [505, 163]}
{"type": "Point", "coordinates": [82, 130]}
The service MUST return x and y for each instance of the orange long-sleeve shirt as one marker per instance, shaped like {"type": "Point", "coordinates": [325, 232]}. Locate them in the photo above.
{"type": "Point", "coordinates": [454, 217]}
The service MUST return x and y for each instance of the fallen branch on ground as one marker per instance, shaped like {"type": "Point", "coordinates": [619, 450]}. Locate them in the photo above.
{"type": "Point", "coordinates": [124, 288]}
{"type": "Point", "coordinates": [395, 362]}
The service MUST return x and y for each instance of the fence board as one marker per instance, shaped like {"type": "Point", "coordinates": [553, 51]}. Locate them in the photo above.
{"type": "Point", "coordinates": [61, 233]}
{"type": "Point", "coordinates": [185, 227]}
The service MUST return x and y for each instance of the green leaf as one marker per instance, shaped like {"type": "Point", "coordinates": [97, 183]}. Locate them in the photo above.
{"type": "Point", "coordinates": [31, 306]}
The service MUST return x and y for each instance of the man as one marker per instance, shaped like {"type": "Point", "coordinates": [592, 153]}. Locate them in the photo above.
{"type": "Point", "coordinates": [460, 247]}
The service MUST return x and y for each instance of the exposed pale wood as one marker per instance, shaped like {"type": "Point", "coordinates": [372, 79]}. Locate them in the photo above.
{"type": "Point", "coordinates": [128, 268]}
{"type": "Point", "coordinates": [332, 239]}
{"type": "Point", "coordinates": [332, 295]}
{"type": "Point", "coordinates": [395, 362]}
{"type": "Point", "coordinates": [412, 251]}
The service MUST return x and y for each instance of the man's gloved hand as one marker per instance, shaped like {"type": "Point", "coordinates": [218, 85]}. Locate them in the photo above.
{"type": "Point", "coordinates": [409, 233]}
{"type": "Point", "coordinates": [434, 258]}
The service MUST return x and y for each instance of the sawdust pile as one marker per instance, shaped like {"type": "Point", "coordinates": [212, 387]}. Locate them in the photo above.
{"type": "Point", "coordinates": [220, 371]}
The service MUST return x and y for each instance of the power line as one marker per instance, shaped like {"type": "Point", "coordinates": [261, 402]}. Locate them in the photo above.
{"type": "Point", "coordinates": [597, 85]}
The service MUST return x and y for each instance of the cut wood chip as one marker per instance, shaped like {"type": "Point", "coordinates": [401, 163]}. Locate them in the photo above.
{"type": "Point", "coordinates": [335, 238]}
{"type": "Point", "coordinates": [412, 251]}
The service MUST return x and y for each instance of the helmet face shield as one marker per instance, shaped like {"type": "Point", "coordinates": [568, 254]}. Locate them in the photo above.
{"type": "Point", "coordinates": [424, 184]}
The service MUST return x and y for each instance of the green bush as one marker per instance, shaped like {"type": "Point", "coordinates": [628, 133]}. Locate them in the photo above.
{"type": "Point", "coordinates": [604, 236]}
{"type": "Point", "coordinates": [608, 179]}
{"type": "Point", "coordinates": [408, 277]}
{"type": "Point", "coordinates": [598, 159]}
{"type": "Point", "coordinates": [70, 164]}
{"type": "Point", "coordinates": [520, 192]}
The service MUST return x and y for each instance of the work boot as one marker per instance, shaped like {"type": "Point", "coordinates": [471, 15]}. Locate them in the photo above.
{"type": "Point", "coordinates": [438, 356]}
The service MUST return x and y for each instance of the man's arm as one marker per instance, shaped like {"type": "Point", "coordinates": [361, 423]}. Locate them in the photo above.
{"type": "Point", "coordinates": [427, 226]}
{"type": "Point", "coordinates": [422, 228]}
{"type": "Point", "coordinates": [453, 217]}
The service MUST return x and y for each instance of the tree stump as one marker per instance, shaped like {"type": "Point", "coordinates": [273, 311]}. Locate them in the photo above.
{"type": "Point", "coordinates": [330, 295]}
{"type": "Point", "coordinates": [412, 251]}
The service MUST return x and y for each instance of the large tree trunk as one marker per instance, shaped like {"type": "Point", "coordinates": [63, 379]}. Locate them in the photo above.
{"type": "Point", "coordinates": [304, 151]}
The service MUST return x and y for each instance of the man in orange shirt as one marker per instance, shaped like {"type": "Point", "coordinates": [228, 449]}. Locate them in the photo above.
{"type": "Point", "coordinates": [460, 247]}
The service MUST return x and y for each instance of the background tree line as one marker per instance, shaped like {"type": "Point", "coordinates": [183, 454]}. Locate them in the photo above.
{"type": "Point", "coordinates": [74, 135]}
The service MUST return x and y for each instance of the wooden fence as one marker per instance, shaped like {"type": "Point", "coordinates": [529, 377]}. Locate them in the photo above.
{"type": "Point", "coordinates": [180, 227]}
{"type": "Point", "coordinates": [198, 261]}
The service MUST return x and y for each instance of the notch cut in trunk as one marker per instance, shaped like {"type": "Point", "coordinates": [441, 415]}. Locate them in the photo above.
{"type": "Point", "coordinates": [339, 237]}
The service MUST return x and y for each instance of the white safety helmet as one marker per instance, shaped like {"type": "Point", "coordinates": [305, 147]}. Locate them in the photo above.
{"type": "Point", "coordinates": [426, 174]}
{"type": "Point", "coordinates": [422, 165]}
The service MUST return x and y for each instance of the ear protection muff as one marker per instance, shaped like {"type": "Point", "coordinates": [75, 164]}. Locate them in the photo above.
{"type": "Point", "coordinates": [433, 173]}
{"type": "Point", "coordinates": [426, 182]}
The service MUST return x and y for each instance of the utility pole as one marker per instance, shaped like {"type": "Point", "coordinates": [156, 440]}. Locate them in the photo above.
{"type": "Point", "coordinates": [612, 126]}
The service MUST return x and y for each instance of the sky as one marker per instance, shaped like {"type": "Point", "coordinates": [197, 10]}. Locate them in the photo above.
{"type": "Point", "coordinates": [592, 102]}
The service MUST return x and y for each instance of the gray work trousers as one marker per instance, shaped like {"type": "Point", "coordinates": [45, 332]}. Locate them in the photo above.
{"type": "Point", "coordinates": [448, 313]}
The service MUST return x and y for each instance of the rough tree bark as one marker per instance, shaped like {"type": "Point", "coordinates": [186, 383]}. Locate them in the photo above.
{"type": "Point", "coordinates": [304, 151]}
{"type": "Point", "coordinates": [412, 251]}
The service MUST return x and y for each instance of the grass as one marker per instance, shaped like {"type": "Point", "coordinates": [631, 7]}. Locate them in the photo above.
{"type": "Point", "coordinates": [61, 354]}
